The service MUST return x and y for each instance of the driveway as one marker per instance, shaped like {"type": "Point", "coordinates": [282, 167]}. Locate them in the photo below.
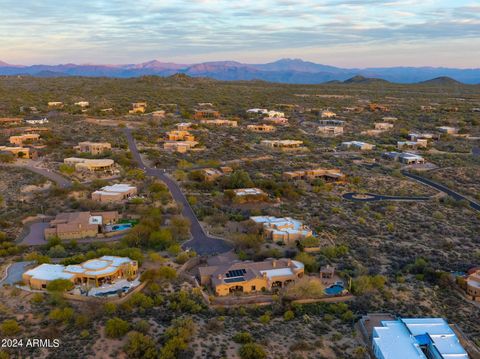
{"type": "Point", "coordinates": [36, 237]}
{"type": "Point", "coordinates": [201, 243]}
{"type": "Point", "coordinates": [370, 197]}
{"type": "Point", "coordinates": [455, 195]}
{"type": "Point", "coordinates": [14, 272]}
{"type": "Point", "coordinates": [61, 181]}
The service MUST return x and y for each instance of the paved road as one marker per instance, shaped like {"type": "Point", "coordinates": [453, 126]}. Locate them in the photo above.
{"type": "Point", "coordinates": [377, 197]}
{"type": "Point", "coordinates": [14, 272]}
{"type": "Point", "coordinates": [53, 176]}
{"type": "Point", "coordinates": [201, 242]}
{"type": "Point", "coordinates": [455, 195]}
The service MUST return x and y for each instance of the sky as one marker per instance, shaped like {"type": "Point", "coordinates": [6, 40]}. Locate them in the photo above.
{"type": "Point", "coordinates": [346, 33]}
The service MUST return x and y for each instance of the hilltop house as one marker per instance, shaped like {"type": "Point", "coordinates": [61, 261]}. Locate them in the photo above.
{"type": "Point", "coordinates": [183, 126]}
{"type": "Point", "coordinates": [82, 104]}
{"type": "Point", "coordinates": [10, 121]}
{"type": "Point", "coordinates": [77, 225]}
{"type": "Point", "coordinates": [383, 126]}
{"type": "Point", "coordinates": [286, 230]}
{"type": "Point", "coordinates": [277, 120]}
{"type": "Point", "coordinates": [92, 273]}
{"type": "Point", "coordinates": [250, 277]}
{"type": "Point", "coordinates": [37, 121]}
{"type": "Point", "coordinates": [55, 104]}
{"type": "Point", "coordinates": [179, 146]}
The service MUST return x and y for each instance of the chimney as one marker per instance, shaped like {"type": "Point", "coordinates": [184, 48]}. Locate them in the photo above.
{"type": "Point", "coordinates": [274, 263]}
{"type": "Point", "coordinates": [219, 276]}
{"type": "Point", "coordinates": [289, 262]}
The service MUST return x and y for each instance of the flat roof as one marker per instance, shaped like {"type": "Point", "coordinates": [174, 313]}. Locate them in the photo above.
{"type": "Point", "coordinates": [401, 339]}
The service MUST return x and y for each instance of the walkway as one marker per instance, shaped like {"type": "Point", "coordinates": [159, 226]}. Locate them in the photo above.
{"type": "Point", "coordinates": [201, 242]}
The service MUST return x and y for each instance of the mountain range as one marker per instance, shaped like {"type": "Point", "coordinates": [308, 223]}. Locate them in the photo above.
{"type": "Point", "coordinates": [294, 71]}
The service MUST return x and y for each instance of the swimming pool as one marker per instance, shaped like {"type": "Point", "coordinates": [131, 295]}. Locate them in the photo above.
{"type": "Point", "coordinates": [335, 289]}
{"type": "Point", "coordinates": [120, 227]}
{"type": "Point", "coordinates": [113, 292]}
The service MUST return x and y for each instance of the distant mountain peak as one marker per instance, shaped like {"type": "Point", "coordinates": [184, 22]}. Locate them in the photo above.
{"type": "Point", "coordinates": [441, 80]}
{"type": "Point", "coordinates": [359, 79]}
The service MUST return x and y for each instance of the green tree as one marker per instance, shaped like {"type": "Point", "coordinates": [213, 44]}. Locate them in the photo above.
{"type": "Point", "coordinates": [242, 338]}
{"type": "Point", "coordinates": [252, 351]}
{"type": "Point", "coordinates": [116, 328]}
{"type": "Point", "coordinates": [140, 346]}
{"type": "Point", "coordinates": [10, 327]}
{"type": "Point", "coordinates": [59, 285]}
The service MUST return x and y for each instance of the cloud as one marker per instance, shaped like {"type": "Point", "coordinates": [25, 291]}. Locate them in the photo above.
{"type": "Point", "coordinates": [119, 30]}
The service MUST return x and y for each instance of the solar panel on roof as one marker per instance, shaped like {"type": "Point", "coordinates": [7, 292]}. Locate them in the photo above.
{"type": "Point", "coordinates": [235, 273]}
{"type": "Point", "coordinates": [234, 280]}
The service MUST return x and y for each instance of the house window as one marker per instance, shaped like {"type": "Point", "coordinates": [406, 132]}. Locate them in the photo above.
{"type": "Point", "coordinates": [44, 286]}
{"type": "Point", "coordinates": [254, 288]}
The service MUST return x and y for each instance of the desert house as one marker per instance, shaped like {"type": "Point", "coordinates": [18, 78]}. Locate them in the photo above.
{"type": "Point", "coordinates": [206, 114]}
{"type": "Point", "coordinates": [416, 338]}
{"type": "Point", "coordinates": [20, 152]}
{"type": "Point", "coordinates": [178, 135]}
{"type": "Point", "coordinates": [261, 128]}
{"type": "Point", "coordinates": [473, 284]}
{"type": "Point", "coordinates": [328, 114]}
{"type": "Point", "coordinates": [82, 104]}
{"type": "Point", "coordinates": [114, 193]}
{"type": "Point", "coordinates": [220, 122]}
{"type": "Point", "coordinates": [138, 107]}
{"type": "Point", "coordinates": [405, 157]}
{"type": "Point", "coordinates": [211, 174]}
{"type": "Point", "coordinates": [283, 145]}
{"type": "Point", "coordinates": [357, 145]}
{"type": "Point", "coordinates": [179, 146]}
{"type": "Point", "coordinates": [277, 120]}
{"type": "Point", "coordinates": [383, 126]}
{"type": "Point", "coordinates": [250, 277]}
{"type": "Point", "coordinates": [413, 145]}
{"type": "Point", "coordinates": [89, 165]}
{"type": "Point", "coordinates": [183, 126]}
{"type": "Point", "coordinates": [94, 148]}
{"type": "Point", "coordinates": [21, 139]}
{"type": "Point", "coordinates": [92, 273]}
{"type": "Point", "coordinates": [37, 121]}
{"type": "Point", "coordinates": [329, 175]}
{"type": "Point", "coordinates": [286, 230]}
{"type": "Point", "coordinates": [448, 130]}
{"type": "Point", "coordinates": [10, 121]}
{"type": "Point", "coordinates": [249, 195]}
{"type": "Point", "coordinates": [77, 225]}
{"type": "Point", "coordinates": [56, 104]}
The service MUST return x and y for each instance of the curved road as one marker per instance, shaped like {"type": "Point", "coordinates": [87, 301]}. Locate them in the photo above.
{"type": "Point", "coordinates": [455, 195]}
{"type": "Point", "coordinates": [377, 197]}
{"type": "Point", "coordinates": [53, 176]}
{"type": "Point", "coordinates": [201, 243]}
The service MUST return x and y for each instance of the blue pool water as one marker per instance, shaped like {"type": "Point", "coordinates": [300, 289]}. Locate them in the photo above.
{"type": "Point", "coordinates": [335, 289]}
{"type": "Point", "coordinates": [121, 227]}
